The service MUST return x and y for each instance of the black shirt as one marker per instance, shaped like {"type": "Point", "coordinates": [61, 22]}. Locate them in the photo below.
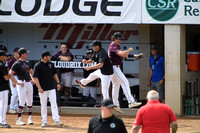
{"type": "Point", "coordinates": [4, 84]}
{"type": "Point", "coordinates": [87, 73]}
{"type": "Point", "coordinates": [44, 72]}
{"type": "Point", "coordinates": [109, 125]}
{"type": "Point", "coordinates": [102, 56]}
{"type": "Point", "coordinates": [21, 68]}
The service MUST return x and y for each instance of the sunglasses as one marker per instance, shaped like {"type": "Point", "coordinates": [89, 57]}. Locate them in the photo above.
{"type": "Point", "coordinates": [119, 39]}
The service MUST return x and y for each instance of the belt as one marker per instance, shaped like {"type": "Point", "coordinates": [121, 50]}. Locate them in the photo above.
{"type": "Point", "coordinates": [117, 65]}
{"type": "Point", "coordinates": [25, 80]}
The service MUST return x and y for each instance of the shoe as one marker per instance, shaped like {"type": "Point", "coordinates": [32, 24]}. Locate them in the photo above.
{"type": "Point", "coordinates": [118, 109]}
{"type": "Point", "coordinates": [6, 126]}
{"type": "Point", "coordinates": [11, 111]}
{"type": "Point", "coordinates": [1, 125]}
{"type": "Point", "coordinates": [30, 122]}
{"type": "Point", "coordinates": [134, 104]}
{"type": "Point", "coordinates": [138, 56]}
{"type": "Point", "coordinates": [44, 125]}
{"type": "Point", "coordinates": [58, 123]}
{"type": "Point", "coordinates": [78, 82]}
{"type": "Point", "coordinates": [20, 123]}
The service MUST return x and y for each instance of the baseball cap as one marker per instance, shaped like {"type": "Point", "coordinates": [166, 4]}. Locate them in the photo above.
{"type": "Point", "coordinates": [118, 35]}
{"type": "Point", "coordinates": [154, 47]}
{"type": "Point", "coordinates": [108, 103]}
{"type": "Point", "coordinates": [4, 48]}
{"type": "Point", "coordinates": [96, 43]}
{"type": "Point", "coordinates": [45, 53]}
{"type": "Point", "coordinates": [2, 53]}
{"type": "Point", "coordinates": [90, 51]}
{"type": "Point", "coordinates": [22, 51]}
{"type": "Point", "coordinates": [8, 54]}
{"type": "Point", "coordinates": [16, 49]}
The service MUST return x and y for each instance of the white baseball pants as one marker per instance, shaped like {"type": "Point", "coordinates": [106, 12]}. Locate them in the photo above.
{"type": "Point", "coordinates": [51, 94]}
{"type": "Point", "coordinates": [14, 97]}
{"type": "Point", "coordinates": [105, 81]}
{"type": "Point", "coordinates": [117, 80]}
{"type": "Point", "coordinates": [25, 93]}
{"type": "Point", "coordinates": [3, 106]}
{"type": "Point", "coordinates": [66, 78]}
{"type": "Point", "coordinates": [90, 90]}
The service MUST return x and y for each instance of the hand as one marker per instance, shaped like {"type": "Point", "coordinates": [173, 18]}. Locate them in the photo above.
{"type": "Point", "coordinates": [130, 49]}
{"type": "Point", "coordinates": [21, 84]}
{"type": "Point", "coordinates": [58, 86]}
{"type": "Point", "coordinates": [161, 81]}
{"type": "Point", "coordinates": [87, 68]}
{"type": "Point", "coordinates": [13, 84]}
{"type": "Point", "coordinates": [84, 61]}
{"type": "Point", "coordinates": [149, 84]}
{"type": "Point", "coordinates": [33, 82]}
{"type": "Point", "coordinates": [40, 90]}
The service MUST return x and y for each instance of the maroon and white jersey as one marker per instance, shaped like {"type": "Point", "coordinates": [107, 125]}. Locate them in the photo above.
{"type": "Point", "coordinates": [112, 51]}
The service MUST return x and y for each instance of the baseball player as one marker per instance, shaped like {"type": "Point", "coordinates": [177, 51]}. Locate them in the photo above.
{"type": "Point", "coordinates": [104, 69]}
{"type": "Point", "coordinates": [4, 89]}
{"type": "Point", "coordinates": [24, 86]}
{"type": "Point", "coordinates": [115, 55]}
{"type": "Point", "coordinates": [66, 73]}
{"type": "Point", "coordinates": [14, 96]}
{"type": "Point", "coordinates": [91, 88]}
{"type": "Point", "coordinates": [44, 76]}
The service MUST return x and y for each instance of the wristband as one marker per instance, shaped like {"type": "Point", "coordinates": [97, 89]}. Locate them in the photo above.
{"type": "Point", "coordinates": [58, 83]}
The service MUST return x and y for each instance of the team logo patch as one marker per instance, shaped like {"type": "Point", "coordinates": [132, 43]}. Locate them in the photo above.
{"type": "Point", "coordinates": [112, 125]}
{"type": "Point", "coordinates": [162, 10]}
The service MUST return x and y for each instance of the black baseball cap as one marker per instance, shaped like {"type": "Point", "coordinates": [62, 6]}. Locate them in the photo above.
{"type": "Point", "coordinates": [22, 51]}
{"type": "Point", "coordinates": [108, 103]}
{"type": "Point", "coordinates": [154, 47]}
{"type": "Point", "coordinates": [16, 49]}
{"type": "Point", "coordinates": [2, 53]}
{"type": "Point", "coordinates": [4, 48]}
{"type": "Point", "coordinates": [118, 35]}
{"type": "Point", "coordinates": [96, 43]}
{"type": "Point", "coordinates": [90, 51]}
{"type": "Point", "coordinates": [45, 53]}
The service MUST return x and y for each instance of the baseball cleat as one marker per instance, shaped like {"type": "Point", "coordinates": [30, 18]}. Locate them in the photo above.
{"type": "Point", "coordinates": [30, 122]}
{"type": "Point", "coordinates": [6, 126]}
{"type": "Point", "coordinates": [78, 82]}
{"type": "Point", "coordinates": [12, 111]}
{"type": "Point", "coordinates": [58, 123]}
{"type": "Point", "coordinates": [118, 109]}
{"type": "Point", "coordinates": [20, 123]}
{"type": "Point", "coordinates": [138, 56]}
{"type": "Point", "coordinates": [134, 104]}
{"type": "Point", "coordinates": [44, 125]}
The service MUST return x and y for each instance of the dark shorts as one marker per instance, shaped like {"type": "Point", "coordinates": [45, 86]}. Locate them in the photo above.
{"type": "Point", "coordinates": [159, 88]}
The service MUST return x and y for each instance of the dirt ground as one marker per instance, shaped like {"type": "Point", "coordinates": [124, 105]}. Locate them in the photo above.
{"type": "Point", "coordinates": [79, 124]}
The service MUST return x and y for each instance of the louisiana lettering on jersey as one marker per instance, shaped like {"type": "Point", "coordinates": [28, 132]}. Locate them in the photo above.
{"type": "Point", "coordinates": [71, 64]}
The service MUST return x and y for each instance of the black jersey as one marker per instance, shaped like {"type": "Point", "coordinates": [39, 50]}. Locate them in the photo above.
{"type": "Point", "coordinates": [4, 85]}
{"type": "Point", "coordinates": [44, 72]}
{"type": "Point", "coordinates": [21, 68]}
{"type": "Point", "coordinates": [110, 125]}
{"type": "Point", "coordinates": [102, 56]}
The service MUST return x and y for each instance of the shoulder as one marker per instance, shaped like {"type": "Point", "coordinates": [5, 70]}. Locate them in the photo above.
{"type": "Point", "coordinates": [94, 119]}
{"type": "Point", "coordinates": [37, 64]}
{"type": "Point", "coordinates": [118, 119]}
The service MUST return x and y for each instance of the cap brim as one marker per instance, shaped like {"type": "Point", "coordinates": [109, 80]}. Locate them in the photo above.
{"type": "Point", "coordinates": [110, 106]}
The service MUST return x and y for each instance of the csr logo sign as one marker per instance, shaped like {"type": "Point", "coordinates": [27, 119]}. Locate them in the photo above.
{"type": "Point", "coordinates": [76, 7]}
{"type": "Point", "coordinates": [162, 10]}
